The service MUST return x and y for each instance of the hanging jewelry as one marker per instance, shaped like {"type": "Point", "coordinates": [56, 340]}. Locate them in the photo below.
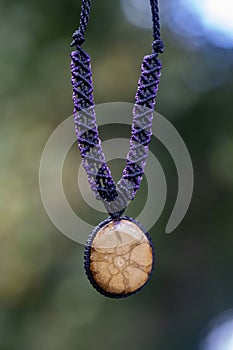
{"type": "Point", "coordinates": [119, 254]}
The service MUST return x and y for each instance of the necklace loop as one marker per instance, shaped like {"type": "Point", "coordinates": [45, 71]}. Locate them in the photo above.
{"type": "Point", "coordinates": [114, 196]}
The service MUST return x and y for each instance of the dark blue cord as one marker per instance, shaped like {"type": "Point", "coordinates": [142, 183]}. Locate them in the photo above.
{"type": "Point", "coordinates": [78, 36]}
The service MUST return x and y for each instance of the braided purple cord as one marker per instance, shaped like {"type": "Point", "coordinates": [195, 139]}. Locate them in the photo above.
{"type": "Point", "coordinates": [89, 143]}
{"type": "Point", "coordinates": [142, 124]}
{"type": "Point", "coordinates": [114, 197]}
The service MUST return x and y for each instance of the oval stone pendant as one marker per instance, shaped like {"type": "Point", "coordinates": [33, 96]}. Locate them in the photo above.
{"type": "Point", "coordinates": [119, 257]}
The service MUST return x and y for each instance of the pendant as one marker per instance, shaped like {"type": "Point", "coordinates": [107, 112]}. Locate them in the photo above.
{"type": "Point", "coordinates": [119, 257]}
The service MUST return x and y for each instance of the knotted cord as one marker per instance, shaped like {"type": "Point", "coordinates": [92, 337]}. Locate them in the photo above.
{"type": "Point", "coordinates": [114, 196]}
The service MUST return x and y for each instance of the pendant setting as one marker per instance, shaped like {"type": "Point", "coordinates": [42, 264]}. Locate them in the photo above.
{"type": "Point", "coordinates": [119, 257]}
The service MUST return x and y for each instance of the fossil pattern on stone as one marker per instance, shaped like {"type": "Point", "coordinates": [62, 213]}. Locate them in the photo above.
{"type": "Point", "coordinates": [121, 257]}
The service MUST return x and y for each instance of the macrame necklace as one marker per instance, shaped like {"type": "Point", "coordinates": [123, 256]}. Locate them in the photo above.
{"type": "Point", "coordinates": [119, 254]}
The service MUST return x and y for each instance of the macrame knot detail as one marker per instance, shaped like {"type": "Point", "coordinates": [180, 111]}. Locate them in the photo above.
{"type": "Point", "coordinates": [158, 46]}
{"type": "Point", "coordinates": [78, 38]}
{"type": "Point", "coordinates": [81, 80]}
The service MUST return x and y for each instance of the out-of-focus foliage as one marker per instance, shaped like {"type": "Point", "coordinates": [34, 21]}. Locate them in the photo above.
{"type": "Point", "coordinates": [45, 300]}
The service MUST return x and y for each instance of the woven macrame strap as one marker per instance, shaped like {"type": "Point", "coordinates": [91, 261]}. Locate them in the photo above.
{"type": "Point", "coordinates": [114, 196]}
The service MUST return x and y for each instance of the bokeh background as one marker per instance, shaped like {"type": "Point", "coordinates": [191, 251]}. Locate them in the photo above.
{"type": "Point", "coordinates": [46, 301]}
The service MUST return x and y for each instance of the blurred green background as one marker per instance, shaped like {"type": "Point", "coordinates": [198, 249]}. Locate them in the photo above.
{"type": "Point", "coordinates": [46, 301]}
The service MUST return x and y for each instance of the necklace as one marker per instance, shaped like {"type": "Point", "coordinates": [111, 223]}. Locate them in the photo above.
{"type": "Point", "coordinates": [119, 254]}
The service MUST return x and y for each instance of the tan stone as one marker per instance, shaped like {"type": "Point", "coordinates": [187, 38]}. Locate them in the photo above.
{"type": "Point", "coordinates": [121, 257]}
